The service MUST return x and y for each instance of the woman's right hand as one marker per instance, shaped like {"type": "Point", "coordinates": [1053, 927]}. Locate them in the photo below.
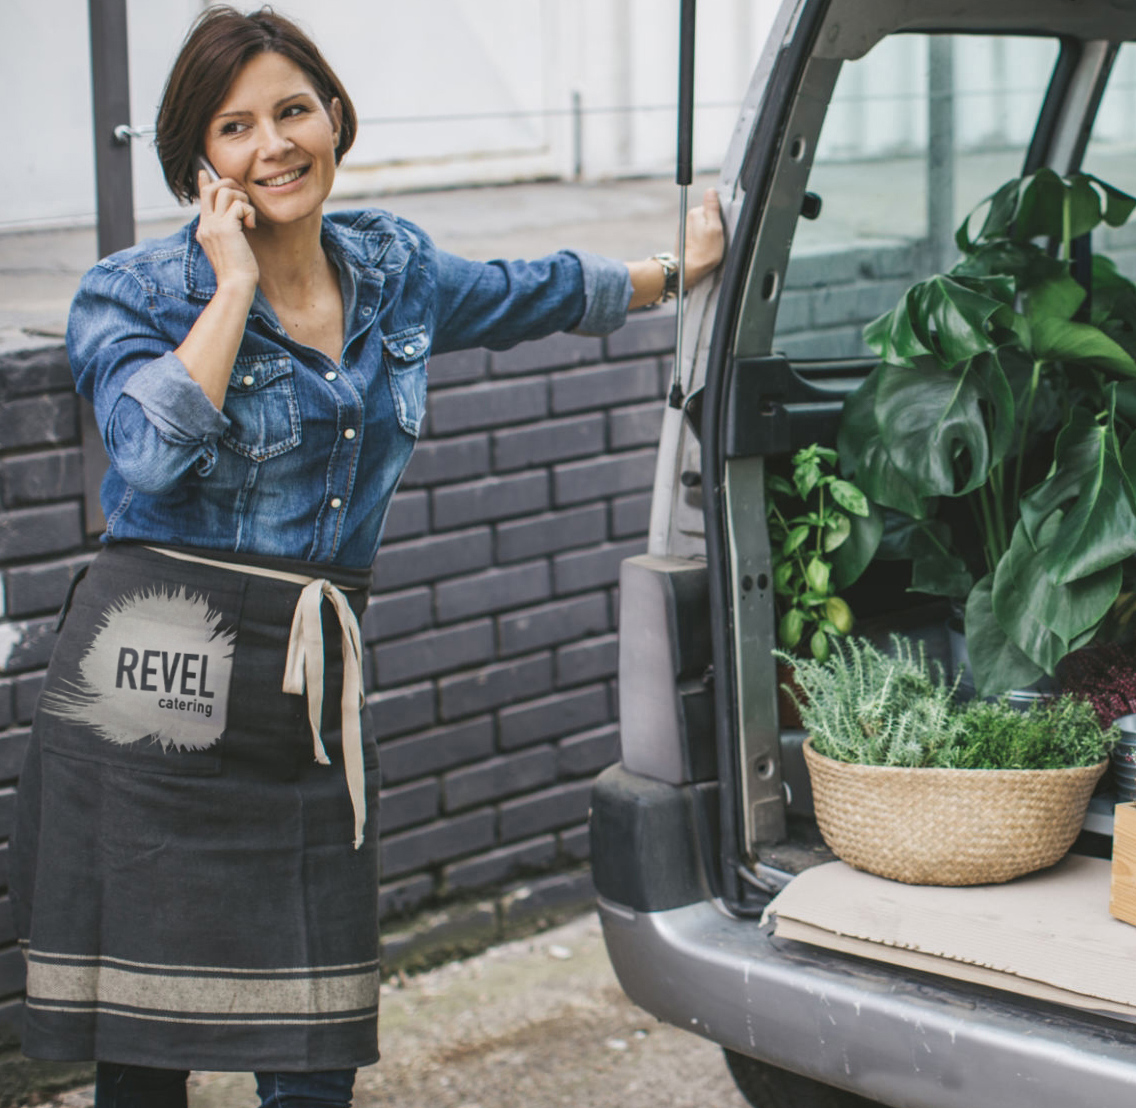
{"type": "Point", "coordinates": [225, 215]}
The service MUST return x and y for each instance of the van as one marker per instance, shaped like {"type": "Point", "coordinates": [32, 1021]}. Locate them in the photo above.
{"type": "Point", "coordinates": [837, 195]}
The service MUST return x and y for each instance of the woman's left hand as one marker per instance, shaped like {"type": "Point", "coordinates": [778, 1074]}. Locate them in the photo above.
{"type": "Point", "coordinates": [705, 243]}
{"type": "Point", "coordinates": [705, 238]}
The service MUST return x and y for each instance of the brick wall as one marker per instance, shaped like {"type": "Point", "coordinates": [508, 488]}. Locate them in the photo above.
{"type": "Point", "coordinates": [490, 640]}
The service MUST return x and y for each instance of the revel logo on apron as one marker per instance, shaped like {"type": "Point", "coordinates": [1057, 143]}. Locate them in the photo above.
{"type": "Point", "coordinates": [158, 667]}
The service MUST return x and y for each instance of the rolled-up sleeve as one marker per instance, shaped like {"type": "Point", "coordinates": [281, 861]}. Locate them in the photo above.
{"type": "Point", "coordinates": [156, 421]}
{"type": "Point", "coordinates": [607, 292]}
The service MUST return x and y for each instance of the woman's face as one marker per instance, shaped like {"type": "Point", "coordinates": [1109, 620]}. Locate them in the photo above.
{"type": "Point", "coordinates": [273, 135]}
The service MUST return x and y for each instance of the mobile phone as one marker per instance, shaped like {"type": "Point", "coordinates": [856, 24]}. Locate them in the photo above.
{"type": "Point", "coordinates": [204, 163]}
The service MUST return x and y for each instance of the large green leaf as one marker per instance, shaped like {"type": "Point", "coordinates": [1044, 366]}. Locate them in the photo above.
{"type": "Point", "coordinates": [1040, 616]}
{"type": "Point", "coordinates": [931, 423]}
{"type": "Point", "coordinates": [997, 664]}
{"type": "Point", "coordinates": [1118, 205]}
{"type": "Point", "coordinates": [1042, 204]}
{"type": "Point", "coordinates": [864, 456]}
{"type": "Point", "coordinates": [852, 556]}
{"type": "Point", "coordinates": [1060, 340]}
{"type": "Point", "coordinates": [1090, 487]}
{"type": "Point", "coordinates": [945, 317]}
{"type": "Point", "coordinates": [1000, 207]}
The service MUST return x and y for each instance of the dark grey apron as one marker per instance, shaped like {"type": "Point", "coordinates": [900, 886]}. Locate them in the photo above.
{"type": "Point", "coordinates": [184, 874]}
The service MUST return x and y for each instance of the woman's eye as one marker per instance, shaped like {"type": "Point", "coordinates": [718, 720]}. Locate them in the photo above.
{"type": "Point", "coordinates": [295, 109]}
{"type": "Point", "coordinates": [231, 128]}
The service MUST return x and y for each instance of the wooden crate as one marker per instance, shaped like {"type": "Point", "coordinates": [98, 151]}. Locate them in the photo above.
{"type": "Point", "coordinates": [1122, 894]}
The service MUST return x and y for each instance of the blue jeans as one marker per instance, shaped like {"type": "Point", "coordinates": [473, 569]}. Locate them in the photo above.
{"type": "Point", "coordinates": [141, 1087]}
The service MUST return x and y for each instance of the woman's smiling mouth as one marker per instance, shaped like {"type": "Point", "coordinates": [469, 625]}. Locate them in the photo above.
{"type": "Point", "coordinates": [283, 178]}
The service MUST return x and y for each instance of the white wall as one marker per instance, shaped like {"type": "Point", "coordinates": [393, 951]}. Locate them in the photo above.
{"type": "Point", "coordinates": [427, 58]}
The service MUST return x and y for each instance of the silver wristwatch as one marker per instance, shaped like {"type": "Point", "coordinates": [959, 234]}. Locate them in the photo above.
{"type": "Point", "coordinates": [670, 276]}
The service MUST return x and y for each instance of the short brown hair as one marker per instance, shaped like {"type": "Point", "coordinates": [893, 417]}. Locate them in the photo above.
{"type": "Point", "coordinates": [216, 48]}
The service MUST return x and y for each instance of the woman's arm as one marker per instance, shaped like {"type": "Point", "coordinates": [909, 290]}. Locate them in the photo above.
{"type": "Point", "coordinates": [705, 241]}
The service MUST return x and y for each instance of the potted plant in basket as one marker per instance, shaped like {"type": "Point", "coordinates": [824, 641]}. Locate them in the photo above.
{"type": "Point", "coordinates": [998, 428]}
{"type": "Point", "coordinates": [912, 785]}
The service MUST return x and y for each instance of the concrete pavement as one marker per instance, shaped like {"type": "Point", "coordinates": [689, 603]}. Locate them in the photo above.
{"type": "Point", "coordinates": [537, 1022]}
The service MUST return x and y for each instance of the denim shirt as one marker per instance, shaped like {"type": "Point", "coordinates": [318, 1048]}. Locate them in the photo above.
{"type": "Point", "coordinates": [304, 458]}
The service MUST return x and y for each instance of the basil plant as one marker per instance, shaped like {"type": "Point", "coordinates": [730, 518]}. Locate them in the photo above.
{"type": "Point", "coordinates": [998, 427]}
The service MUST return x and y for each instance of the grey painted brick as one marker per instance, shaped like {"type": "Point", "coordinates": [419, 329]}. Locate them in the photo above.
{"type": "Point", "coordinates": [408, 516]}
{"type": "Point", "coordinates": [427, 559]}
{"type": "Point", "coordinates": [458, 367]}
{"type": "Point", "coordinates": [28, 689]}
{"type": "Point", "coordinates": [582, 570]}
{"type": "Point", "coordinates": [794, 311]}
{"type": "Point", "coordinates": [551, 533]}
{"type": "Point", "coordinates": [437, 750]}
{"type": "Point", "coordinates": [553, 440]}
{"type": "Point", "coordinates": [27, 644]}
{"type": "Point", "coordinates": [635, 425]}
{"type": "Point", "coordinates": [409, 708]}
{"type": "Point", "coordinates": [437, 842]}
{"type": "Point", "coordinates": [552, 716]}
{"type": "Point", "coordinates": [13, 745]}
{"type": "Point", "coordinates": [401, 898]}
{"type": "Point", "coordinates": [495, 686]}
{"type": "Point", "coordinates": [492, 591]}
{"type": "Point", "coordinates": [646, 332]}
{"type": "Point", "coordinates": [407, 805]}
{"type": "Point", "coordinates": [498, 777]}
{"type": "Point", "coordinates": [549, 624]}
{"type": "Point", "coordinates": [588, 660]}
{"type": "Point", "coordinates": [500, 865]}
{"type": "Point", "coordinates": [547, 810]}
{"type": "Point", "coordinates": [550, 353]}
{"type": "Point", "coordinates": [586, 754]}
{"type": "Point", "coordinates": [433, 652]}
{"type": "Point", "coordinates": [35, 478]}
{"type": "Point", "coordinates": [838, 342]}
{"type": "Point", "coordinates": [41, 586]}
{"type": "Point", "coordinates": [7, 703]}
{"type": "Point", "coordinates": [7, 813]}
{"type": "Point", "coordinates": [440, 460]}
{"type": "Point", "coordinates": [577, 390]}
{"type": "Point", "coordinates": [566, 892]}
{"type": "Point", "coordinates": [858, 303]}
{"type": "Point", "coordinates": [630, 515]}
{"type": "Point", "coordinates": [596, 478]}
{"type": "Point", "coordinates": [397, 613]}
{"type": "Point", "coordinates": [32, 532]}
{"type": "Point", "coordinates": [39, 420]}
{"type": "Point", "coordinates": [491, 498]}
{"type": "Point", "coordinates": [822, 267]}
{"type": "Point", "coordinates": [494, 404]}
{"type": "Point", "coordinates": [576, 843]}
{"type": "Point", "coordinates": [29, 372]}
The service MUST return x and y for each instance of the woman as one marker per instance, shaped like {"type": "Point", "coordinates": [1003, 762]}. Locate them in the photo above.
{"type": "Point", "coordinates": [195, 860]}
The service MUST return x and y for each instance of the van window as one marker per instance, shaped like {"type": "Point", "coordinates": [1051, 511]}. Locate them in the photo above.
{"type": "Point", "coordinates": [918, 132]}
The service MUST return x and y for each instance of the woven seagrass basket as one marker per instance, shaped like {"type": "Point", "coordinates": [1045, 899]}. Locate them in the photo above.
{"type": "Point", "coordinates": [948, 826]}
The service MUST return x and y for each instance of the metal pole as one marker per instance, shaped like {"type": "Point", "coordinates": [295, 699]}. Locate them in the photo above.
{"type": "Point", "coordinates": [941, 153]}
{"type": "Point", "coordinates": [577, 137]}
{"type": "Point", "coordinates": [110, 89]}
{"type": "Point", "coordinates": [684, 174]}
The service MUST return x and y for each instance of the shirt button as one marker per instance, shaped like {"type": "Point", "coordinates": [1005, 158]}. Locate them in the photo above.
{"type": "Point", "coordinates": [408, 349]}
{"type": "Point", "coordinates": [247, 380]}
{"type": "Point", "coordinates": [366, 311]}
{"type": "Point", "coordinates": [330, 375]}
{"type": "Point", "coordinates": [349, 433]}
{"type": "Point", "coordinates": [336, 502]}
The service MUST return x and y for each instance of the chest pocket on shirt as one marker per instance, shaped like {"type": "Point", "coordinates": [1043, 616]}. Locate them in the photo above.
{"type": "Point", "coordinates": [405, 358]}
{"type": "Point", "coordinates": [261, 402]}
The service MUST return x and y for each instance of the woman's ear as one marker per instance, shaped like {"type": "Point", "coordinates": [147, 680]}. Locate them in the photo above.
{"type": "Point", "coordinates": [335, 111]}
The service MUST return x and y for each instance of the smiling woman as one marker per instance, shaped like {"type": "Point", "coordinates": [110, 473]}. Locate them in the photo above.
{"type": "Point", "coordinates": [259, 380]}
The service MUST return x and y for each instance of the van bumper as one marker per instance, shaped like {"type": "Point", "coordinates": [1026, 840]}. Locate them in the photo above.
{"type": "Point", "coordinates": [904, 1039]}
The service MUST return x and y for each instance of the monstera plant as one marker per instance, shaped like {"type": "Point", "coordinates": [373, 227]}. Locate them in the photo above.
{"type": "Point", "coordinates": [997, 427]}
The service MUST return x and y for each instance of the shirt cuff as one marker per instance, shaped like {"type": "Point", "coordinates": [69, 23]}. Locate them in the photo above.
{"type": "Point", "coordinates": [174, 402]}
{"type": "Point", "coordinates": [607, 292]}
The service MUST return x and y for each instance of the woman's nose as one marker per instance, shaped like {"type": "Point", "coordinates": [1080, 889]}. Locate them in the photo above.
{"type": "Point", "coordinates": [273, 142]}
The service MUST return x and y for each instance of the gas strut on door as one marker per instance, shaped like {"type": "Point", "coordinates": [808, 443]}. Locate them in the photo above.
{"type": "Point", "coordinates": [683, 176]}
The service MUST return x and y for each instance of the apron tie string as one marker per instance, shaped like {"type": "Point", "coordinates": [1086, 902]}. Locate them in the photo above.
{"type": "Point", "coordinates": [304, 670]}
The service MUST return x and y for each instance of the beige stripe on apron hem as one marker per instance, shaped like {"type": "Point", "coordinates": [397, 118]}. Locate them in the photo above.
{"type": "Point", "coordinates": [304, 667]}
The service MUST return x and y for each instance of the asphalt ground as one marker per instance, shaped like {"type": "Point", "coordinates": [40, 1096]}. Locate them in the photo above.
{"type": "Point", "coordinates": [532, 1023]}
